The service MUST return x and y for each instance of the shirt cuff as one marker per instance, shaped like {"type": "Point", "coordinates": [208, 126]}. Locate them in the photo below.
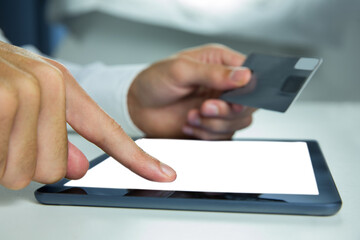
{"type": "Point", "coordinates": [109, 86]}
{"type": "Point", "coordinates": [124, 116]}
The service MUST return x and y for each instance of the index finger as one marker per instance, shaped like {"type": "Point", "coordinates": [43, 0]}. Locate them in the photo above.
{"type": "Point", "coordinates": [90, 121]}
{"type": "Point", "coordinates": [231, 57]}
{"type": "Point", "coordinates": [216, 53]}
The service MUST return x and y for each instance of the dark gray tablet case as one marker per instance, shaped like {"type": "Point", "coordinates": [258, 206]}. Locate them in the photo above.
{"type": "Point", "coordinates": [328, 202]}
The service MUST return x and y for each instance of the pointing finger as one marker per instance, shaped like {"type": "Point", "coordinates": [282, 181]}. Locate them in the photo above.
{"type": "Point", "coordinates": [90, 121]}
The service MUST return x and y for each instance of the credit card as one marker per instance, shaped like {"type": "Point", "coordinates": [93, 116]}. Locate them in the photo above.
{"type": "Point", "coordinates": [276, 81]}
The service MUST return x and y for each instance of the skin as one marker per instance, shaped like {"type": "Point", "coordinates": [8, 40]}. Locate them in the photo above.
{"type": "Point", "coordinates": [37, 97]}
{"type": "Point", "coordinates": [178, 96]}
{"type": "Point", "coordinates": [175, 97]}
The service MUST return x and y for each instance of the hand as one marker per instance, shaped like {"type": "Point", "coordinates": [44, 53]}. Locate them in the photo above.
{"type": "Point", "coordinates": [178, 97]}
{"type": "Point", "coordinates": [37, 97]}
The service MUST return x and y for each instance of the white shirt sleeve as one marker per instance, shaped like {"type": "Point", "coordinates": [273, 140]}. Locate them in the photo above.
{"type": "Point", "coordinates": [2, 37]}
{"type": "Point", "coordinates": [107, 85]}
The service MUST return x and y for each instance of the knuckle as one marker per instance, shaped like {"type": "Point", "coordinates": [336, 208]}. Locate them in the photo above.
{"type": "Point", "coordinates": [104, 140]}
{"type": "Point", "coordinates": [20, 175]}
{"type": "Point", "coordinates": [55, 176]}
{"type": "Point", "coordinates": [116, 129]}
{"type": "Point", "coordinates": [3, 158]}
{"type": "Point", "coordinates": [217, 75]}
{"type": "Point", "coordinates": [47, 70]}
{"type": "Point", "coordinates": [219, 126]}
{"type": "Point", "coordinates": [49, 172]}
{"type": "Point", "coordinates": [217, 108]}
{"type": "Point", "coordinates": [216, 46]}
{"type": "Point", "coordinates": [227, 136]}
{"type": "Point", "coordinates": [29, 88]}
{"type": "Point", "coordinates": [209, 135]}
{"type": "Point", "coordinates": [51, 76]}
{"type": "Point", "coordinates": [204, 135]}
{"type": "Point", "coordinates": [60, 67]}
{"type": "Point", "coordinates": [220, 49]}
{"type": "Point", "coordinates": [22, 183]}
{"type": "Point", "coordinates": [16, 184]}
{"type": "Point", "coordinates": [178, 67]}
{"type": "Point", "coordinates": [247, 121]}
{"type": "Point", "coordinates": [8, 96]}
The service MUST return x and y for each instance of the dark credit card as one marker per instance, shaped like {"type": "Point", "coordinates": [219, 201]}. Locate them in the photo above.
{"type": "Point", "coordinates": [276, 81]}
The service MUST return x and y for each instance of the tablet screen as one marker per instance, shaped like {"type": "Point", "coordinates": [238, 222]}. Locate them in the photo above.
{"type": "Point", "coordinates": [271, 167]}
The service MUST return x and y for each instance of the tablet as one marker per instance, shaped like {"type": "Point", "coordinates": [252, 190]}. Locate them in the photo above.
{"type": "Point", "coordinates": [249, 176]}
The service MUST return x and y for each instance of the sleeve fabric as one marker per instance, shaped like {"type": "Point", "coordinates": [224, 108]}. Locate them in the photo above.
{"type": "Point", "coordinates": [2, 37]}
{"type": "Point", "coordinates": [108, 86]}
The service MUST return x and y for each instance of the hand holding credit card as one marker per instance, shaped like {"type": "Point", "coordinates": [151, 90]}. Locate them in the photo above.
{"type": "Point", "coordinates": [276, 81]}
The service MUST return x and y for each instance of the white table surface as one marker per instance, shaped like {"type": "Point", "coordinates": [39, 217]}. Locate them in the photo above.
{"type": "Point", "coordinates": [335, 125]}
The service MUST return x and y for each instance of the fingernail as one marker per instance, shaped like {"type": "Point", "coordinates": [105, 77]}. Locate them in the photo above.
{"type": "Point", "coordinates": [238, 108]}
{"type": "Point", "coordinates": [168, 171]}
{"type": "Point", "coordinates": [211, 109]}
{"type": "Point", "coordinates": [240, 75]}
{"type": "Point", "coordinates": [195, 120]}
{"type": "Point", "coordinates": [187, 130]}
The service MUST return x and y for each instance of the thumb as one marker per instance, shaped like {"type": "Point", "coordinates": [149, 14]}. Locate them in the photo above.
{"type": "Point", "coordinates": [189, 72]}
{"type": "Point", "coordinates": [77, 164]}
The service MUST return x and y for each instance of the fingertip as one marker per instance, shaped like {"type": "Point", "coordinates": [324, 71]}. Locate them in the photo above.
{"type": "Point", "coordinates": [210, 109]}
{"type": "Point", "coordinates": [148, 167]}
{"type": "Point", "coordinates": [240, 76]}
{"type": "Point", "coordinates": [193, 117]}
{"type": "Point", "coordinates": [247, 75]}
{"type": "Point", "coordinates": [170, 174]}
{"type": "Point", "coordinates": [237, 108]}
{"type": "Point", "coordinates": [78, 164]}
{"type": "Point", "coordinates": [215, 108]}
{"type": "Point", "coordinates": [187, 130]}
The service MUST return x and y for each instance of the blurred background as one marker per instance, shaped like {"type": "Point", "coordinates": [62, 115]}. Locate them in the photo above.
{"type": "Point", "coordinates": [144, 31]}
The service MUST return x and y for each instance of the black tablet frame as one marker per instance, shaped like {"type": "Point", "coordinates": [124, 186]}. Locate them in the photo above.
{"type": "Point", "coordinates": [327, 203]}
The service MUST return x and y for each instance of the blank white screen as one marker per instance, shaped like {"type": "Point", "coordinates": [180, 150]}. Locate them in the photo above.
{"type": "Point", "coordinates": [216, 166]}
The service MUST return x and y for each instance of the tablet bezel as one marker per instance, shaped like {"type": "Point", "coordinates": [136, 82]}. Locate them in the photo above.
{"type": "Point", "coordinates": [328, 202]}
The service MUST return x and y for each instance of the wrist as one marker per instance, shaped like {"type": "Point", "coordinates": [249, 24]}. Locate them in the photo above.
{"type": "Point", "coordinates": [134, 107]}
